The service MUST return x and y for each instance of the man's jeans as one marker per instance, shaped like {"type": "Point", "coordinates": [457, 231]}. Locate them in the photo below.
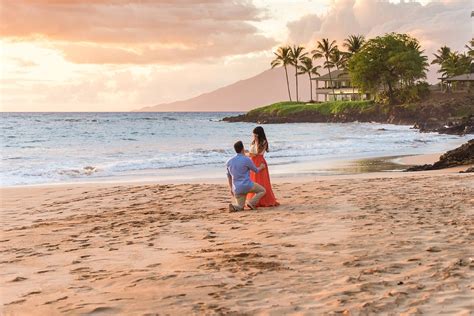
{"type": "Point", "coordinates": [259, 193]}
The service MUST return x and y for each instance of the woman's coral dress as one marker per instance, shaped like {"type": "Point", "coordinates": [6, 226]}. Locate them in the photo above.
{"type": "Point", "coordinates": [262, 178]}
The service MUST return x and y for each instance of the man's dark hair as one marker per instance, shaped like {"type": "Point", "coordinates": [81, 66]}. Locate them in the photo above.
{"type": "Point", "coordinates": [239, 146]}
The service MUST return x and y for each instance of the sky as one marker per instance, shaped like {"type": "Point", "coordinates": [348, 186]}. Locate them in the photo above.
{"type": "Point", "coordinates": [121, 55]}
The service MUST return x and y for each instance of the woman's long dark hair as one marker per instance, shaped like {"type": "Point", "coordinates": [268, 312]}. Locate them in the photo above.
{"type": "Point", "coordinates": [262, 139]}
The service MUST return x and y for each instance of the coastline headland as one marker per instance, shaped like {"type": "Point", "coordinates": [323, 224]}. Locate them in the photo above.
{"type": "Point", "coordinates": [448, 113]}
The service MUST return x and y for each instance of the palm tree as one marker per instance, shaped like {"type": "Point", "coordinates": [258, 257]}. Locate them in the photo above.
{"type": "Point", "coordinates": [354, 43]}
{"type": "Point", "coordinates": [456, 64]}
{"type": "Point", "coordinates": [442, 54]}
{"type": "Point", "coordinates": [307, 67]}
{"type": "Point", "coordinates": [283, 58]}
{"type": "Point", "coordinates": [325, 49]}
{"type": "Point", "coordinates": [470, 53]}
{"type": "Point", "coordinates": [337, 59]}
{"type": "Point", "coordinates": [470, 47]}
{"type": "Point", "coordinates": [441, 57]}
{"type": "Point", "coordinates": [297, 54]}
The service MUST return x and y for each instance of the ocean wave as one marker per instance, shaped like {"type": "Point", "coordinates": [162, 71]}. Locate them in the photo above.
{"type": "Point", "coordinates": [13, 158]}
{"type": "Point", "coordinates": [212, 151]}
{"type": "Point", "coordinates": [79, 120]}
{"type": "Point", "coordinates": [424, 141]}
{"type": "Point", "coordinates": [33, 141]}
{"type": "Point", "coordinates": [159, 118]}
{"type": "Point", "coordinates": [164, 163]}
{"type": "Point", "coordinates": [86, 171]}
{"type": "Point", "coordinates": [122, 144]}
{"type": "Point", "coordinates": [202, 157]}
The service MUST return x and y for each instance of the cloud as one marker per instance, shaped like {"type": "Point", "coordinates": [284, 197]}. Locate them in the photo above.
{"type": "Point", "coordinates": [140, 31]}
{"type": "Point", "coordinates": [54, 84]}
{"type": "Point", "coordinates": [219, 46]}
{"type": "Point", "coordinates": [435, 24]}
{"type": "Point", "coordinates": [109, 55]}
{"type": "Point", "coordinates": [22, 62]}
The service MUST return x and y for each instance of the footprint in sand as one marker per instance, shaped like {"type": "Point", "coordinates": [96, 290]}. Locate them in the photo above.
{"type": "Point", "coordinates": [103, 310]}
{"type": "Point", "coordinates": [16, 302]}
{"type": "Point", "coordinates": [18, 279]}
{"type": "Point", "coordinates": [56, 300]}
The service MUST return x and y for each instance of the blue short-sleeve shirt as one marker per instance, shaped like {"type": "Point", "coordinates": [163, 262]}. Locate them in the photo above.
{"type": "Point", "coordinates": [238, 167]}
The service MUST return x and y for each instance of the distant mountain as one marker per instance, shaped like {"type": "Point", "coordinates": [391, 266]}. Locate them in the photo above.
{"type": "Point", "coordinates": [265, 88]}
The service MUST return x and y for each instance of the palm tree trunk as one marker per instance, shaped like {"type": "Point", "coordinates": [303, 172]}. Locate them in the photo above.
{"type": "Point", "coordinates": [310, 87]}
{"type": "Point", "coordinates": [287, 83]}
{"type": "Point", "coordinates": [316, 90]}
{"type": "Point", "coordinates": [296, 75]}
{"type": "Point", "coordinates": [330, 80]}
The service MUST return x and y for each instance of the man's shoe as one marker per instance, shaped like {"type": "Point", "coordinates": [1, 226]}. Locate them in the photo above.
{"type": "Point", "coordinates": [250, 206]}
{"type": "Point", "coordinates": [232, 208]}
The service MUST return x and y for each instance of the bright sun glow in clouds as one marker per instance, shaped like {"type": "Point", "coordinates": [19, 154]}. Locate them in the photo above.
{"type": "Point", "coordinates": [104, 55]}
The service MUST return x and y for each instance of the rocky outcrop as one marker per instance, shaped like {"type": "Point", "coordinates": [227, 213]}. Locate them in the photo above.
{"type": "Point", "coordinates": [307, 117]}
{"type": "Point", "coordinates": [268, 118]}
{"type": "Point", "coordinates": [463, 155]}
{"type": "Point", "coordinates": [461, 126]}
{"type": "Point", "coordinates": [440, 112]}
{"type": "Point", "coordinates": [445, 113]}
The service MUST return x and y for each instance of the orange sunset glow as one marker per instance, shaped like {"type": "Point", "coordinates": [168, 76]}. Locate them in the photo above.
{"type": "Point", "coordinates": [122, 55]}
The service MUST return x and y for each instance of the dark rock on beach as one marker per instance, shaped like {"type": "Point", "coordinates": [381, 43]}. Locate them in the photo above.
{"type": "Point", "coordinates": [460, 126]}
{"type": "Point", "coordinates": [463, 155]}
{"type": "Point", "coordinates": [468, 170]}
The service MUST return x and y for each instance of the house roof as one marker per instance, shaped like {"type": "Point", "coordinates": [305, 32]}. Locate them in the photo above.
{"type": "Point", "coordinates": [464, 77]}
{"type": "Point", "coordinates": [336, 75]}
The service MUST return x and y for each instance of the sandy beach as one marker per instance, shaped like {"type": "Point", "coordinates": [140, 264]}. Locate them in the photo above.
{"type": "Point", "coordinates": [396, 243]}
{"type": "Point", "coordinates": [141, 139]}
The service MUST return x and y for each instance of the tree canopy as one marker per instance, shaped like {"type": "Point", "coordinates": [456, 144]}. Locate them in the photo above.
{"type": "Point", "coordinates": [453, 63]}
{"type": "Point", "coordinates": [390, 61]}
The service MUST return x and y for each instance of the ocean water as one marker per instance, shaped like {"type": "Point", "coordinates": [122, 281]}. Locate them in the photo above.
{"type": "Point", "coordinates": [42, 148]}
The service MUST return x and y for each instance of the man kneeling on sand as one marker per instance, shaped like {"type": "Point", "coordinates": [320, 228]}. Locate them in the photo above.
{"type": "Point", "coordinates": [238, 174]}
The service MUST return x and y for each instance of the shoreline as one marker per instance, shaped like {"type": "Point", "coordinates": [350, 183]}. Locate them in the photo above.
{"type": "Point", "coordinates": [303, 169]}
{"type": "Point", "coordinates": [278, 180]}
{"type": "Point", "coordinates": [298, 149]}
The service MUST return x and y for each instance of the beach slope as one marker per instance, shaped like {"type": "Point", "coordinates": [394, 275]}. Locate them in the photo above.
{"type": "Point", "coordinates": [377, 243]}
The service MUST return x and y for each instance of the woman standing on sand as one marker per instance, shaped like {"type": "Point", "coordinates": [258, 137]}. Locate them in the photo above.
{"type": "Point", "coordinates": [257, 149]}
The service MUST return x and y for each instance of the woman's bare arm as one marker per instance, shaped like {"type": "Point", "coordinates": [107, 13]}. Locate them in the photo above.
{"type": "Point", "coordinates": [248, 153]}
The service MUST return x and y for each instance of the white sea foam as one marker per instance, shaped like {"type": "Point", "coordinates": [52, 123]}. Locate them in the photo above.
{"type": "Point", "coordinates": [65, 147]}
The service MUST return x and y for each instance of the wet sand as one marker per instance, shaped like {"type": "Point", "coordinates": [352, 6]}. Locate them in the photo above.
{"type": "Point", "coordinates": [390, 243]}
{"type": "Point", "coordinates": [419, 159]}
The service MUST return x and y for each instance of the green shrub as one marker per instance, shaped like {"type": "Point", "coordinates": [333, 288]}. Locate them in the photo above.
{"type": "Point", "coordinates": [408, 94]}
{"type": "Point", "coordinates": [324, 108]}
